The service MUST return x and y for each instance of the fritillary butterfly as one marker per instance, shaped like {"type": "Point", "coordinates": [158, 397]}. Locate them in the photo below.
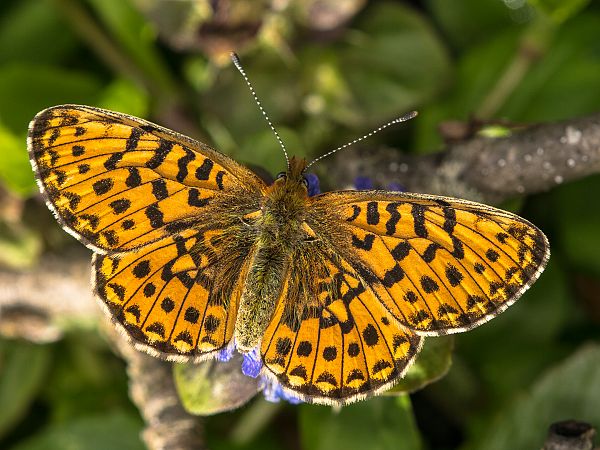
{"type": "Point", "coordinates": [336, 291]}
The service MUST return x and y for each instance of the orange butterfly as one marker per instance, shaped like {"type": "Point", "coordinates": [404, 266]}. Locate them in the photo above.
{"type": "Point", "coordinates": [193, 252]}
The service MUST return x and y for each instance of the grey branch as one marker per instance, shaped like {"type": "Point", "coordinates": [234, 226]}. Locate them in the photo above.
{"type": "Point", "coordinates": [484, 169]}
{"type": "Point", "coordinates": [570, 435]}
{"type": "Point", "coordinates": [152, 388]}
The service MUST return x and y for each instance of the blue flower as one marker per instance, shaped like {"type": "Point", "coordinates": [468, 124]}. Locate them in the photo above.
{"type": "Point", "coordinates": [396, 187]}
{"type": "Point", "coordinates": [227, 353]}
{"type": "Point", "coordinates": [313, 184]}
{"type": "Point", "coordinates": [252, 363]}
{"type": "Point", "coordinates": [273, 392]}
{"type": "Point", "coordinates": [363, 183]}
{"type": "Point", "coordinates": [252, 367]}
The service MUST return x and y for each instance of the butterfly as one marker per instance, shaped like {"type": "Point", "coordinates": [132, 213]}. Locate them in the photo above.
{"type": "Point", "coordinates": [193, 251]}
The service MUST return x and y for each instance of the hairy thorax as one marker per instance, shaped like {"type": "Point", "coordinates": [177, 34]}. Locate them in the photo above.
{"type": "Point", "coordinates": [279, 230]}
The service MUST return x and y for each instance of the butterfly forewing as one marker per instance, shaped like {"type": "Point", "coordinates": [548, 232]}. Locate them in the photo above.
{"type": "Point", "coordinates": [438, 265]}
{"type": "Point", "coordinates": [117, 182]}
{"type": "Point", "coordinates": [163, 213]}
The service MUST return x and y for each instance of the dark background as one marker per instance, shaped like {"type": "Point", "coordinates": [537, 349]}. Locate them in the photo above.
{"type": "Point", "coordinates": [327, 72]}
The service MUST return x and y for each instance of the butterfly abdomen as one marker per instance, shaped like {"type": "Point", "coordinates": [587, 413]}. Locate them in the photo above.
{"type": "Point", "coordinates": [262, 289]}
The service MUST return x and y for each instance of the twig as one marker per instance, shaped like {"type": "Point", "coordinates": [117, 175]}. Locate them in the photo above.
{"type": "Point", "coordinates": [570, 435]}
{"type": "Point", "coordinates": [484, 169]}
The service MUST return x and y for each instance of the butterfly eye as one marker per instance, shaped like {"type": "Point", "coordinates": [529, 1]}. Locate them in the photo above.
{"type": "Point", "coordinates": [281, 175]}
{"type": "Point", "coordinates": [305, 182]}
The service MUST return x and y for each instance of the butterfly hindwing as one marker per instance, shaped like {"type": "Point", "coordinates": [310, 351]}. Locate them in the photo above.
{"type": "Point", "coordinates": [117, 182]}
{"type": "Point", "coordinates": [330, 341]}
{"type": "Point", "coordinates": [439, 265]}
{"type": "Point", "coordinates": [169, 296]}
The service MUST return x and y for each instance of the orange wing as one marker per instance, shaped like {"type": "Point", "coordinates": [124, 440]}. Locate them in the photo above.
{"type": "Point", "coordinates": [162, 211]}
{"type": "Point", "coordinates": [117, 182]}
{"type": "Point", "coordinates": [330, 340]}
{"type": "Point", "coordinates": [438, 265]}
{"type": "Point", "coordinates": [177, 297]}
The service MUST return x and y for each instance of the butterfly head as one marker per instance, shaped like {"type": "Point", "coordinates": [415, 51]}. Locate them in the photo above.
{"type": "Point", "coordinates": [293, 180]}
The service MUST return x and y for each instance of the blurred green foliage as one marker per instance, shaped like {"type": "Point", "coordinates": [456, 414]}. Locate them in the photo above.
{"type": "Point", "coordinates": [524, 61]}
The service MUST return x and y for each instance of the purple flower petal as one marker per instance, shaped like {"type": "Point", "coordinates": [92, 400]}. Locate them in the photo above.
{"type": "Point", "coordinates": [396, 187]}
{"type": "Point", "coordinates": [313, 184]}
{"type": "Point", "coordinates": [273, 392]}
{"type": "Point", "coordinates": [226, 353]}
{"type": "Point", "coordinates": [363, 183]}
{"type": "Point", "coordinates": [252, 363]}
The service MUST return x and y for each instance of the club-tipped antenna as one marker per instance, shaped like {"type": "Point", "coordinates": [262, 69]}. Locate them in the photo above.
{"type": "Point", "coordinates": [236, 61]}
{"type": "Point", "coordinates": [400, 119]}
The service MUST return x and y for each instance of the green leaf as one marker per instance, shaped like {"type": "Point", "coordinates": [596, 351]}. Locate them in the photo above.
{"type": "Point", "coordinates": [394, 62]}
{"type": "Point", "coordinates": [15, 170]}
{"type": "Point", "coordinates": [262, 148]}
{"type": "Point", "coordinates": [23, 366]}
{"type": "Point", "coordinates": [136, 36]}
{"type": "Point", "coordinates": [26, 89]}
{"type": "Point", "coordinates": [433, 363]}
{"type": "Point", "coordinates": [477, 72]}
{"type": "Point", "coordinates": [468, 22]}
{"type": "Point", "coordinates": [570, 390]}
{"type": "Point", "coordinates": [379, 423]}
{"type": "Point", "coordinates": [559, 10]}
{"type": "Point", "coordinates": [564, 82]}
{"type": "Point", "coordinates": [506, 350]}
{"type": "Point", "coordinates": [211, 387]}
{"type": "Point", "coordinates": [21, 28]}
{"type": "Point", "coordinates": [115, 430]}
{"type": "Point", "coordinates": [578, 224]}
{"type": "Point", "coordinates": [124, 96]}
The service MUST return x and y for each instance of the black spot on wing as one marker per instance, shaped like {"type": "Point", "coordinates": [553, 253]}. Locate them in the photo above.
{"type": "Point", "coordinates": [418, 213]}
{"type": "Point", "coordinates": [159, 189]}
{"type": "Point", "coordinates": [133, 139]}
{"type": "Point", "coordinates": [373, 213]}
{"type": "Point", "coordinates": [370, 335]}
{"type": "Point", "coordinates": [449, 220]}
{"type": "Point", "coordinates": [355, 213]}
{"type": "Point", "coordinates": [167, 305]}
{"type": "Point", "coordinates": [155, 216]}
{"type": "Point", "coordinates": [77, 150]}
{"type": "Point", "coordinates": [142, 269]}
{"type": "Point", "coordinates": [160, 154]}
{"type": "Point", "coordinates": [182, 164]}
{"type": "Point", "coordinates": [119, 206]}
{"type": "Point", "coordinates": [401, 251]}
{"type": "Point", "coordinates": [453, 275]}
{"type": "Point", "coordinates": [429, 253]}
{"type": "Point", "coordinates": [191, 315]}
{"type": "Point", "coordinates": [428, 284]}
{"type": "Point", "coordinates": [304, 349]}
{"type": "Point", "coordinates": [111, 162]}
{"type": "Point", "coordinates": [219, 179]}
{"type": "Point", "coordinates": [194, 198]}
{"type": "Point", "coordinates": [393, 276]}
{"type": "Point", "coordinates": [363, 244]}
{"type": "Point", "coordinates": [203, 172]}
{"type": "Point", "coordinates": [133, 179]}
{"type": "Point", "coordinates": [101, 187]}
{"type": "Point", "coordinates": [390, 225]}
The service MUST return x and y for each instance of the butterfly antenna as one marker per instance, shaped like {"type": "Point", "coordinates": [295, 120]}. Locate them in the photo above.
{"type": "Point", "coordinates": [236, 61]}
{"type": "Point", "coordinates": [400, 119]}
